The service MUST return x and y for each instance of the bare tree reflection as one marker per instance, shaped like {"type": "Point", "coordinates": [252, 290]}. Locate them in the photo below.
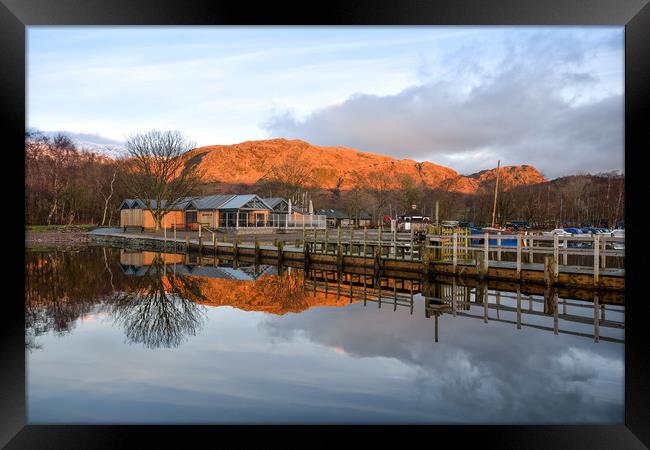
{"type": "Point", "coordinates": [61, 287]}
{"type": "Point", "coordinates": [159, 309]}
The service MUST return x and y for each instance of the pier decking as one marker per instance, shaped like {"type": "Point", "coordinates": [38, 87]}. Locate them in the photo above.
{"type": "Point", "coordinates": [595, 263]}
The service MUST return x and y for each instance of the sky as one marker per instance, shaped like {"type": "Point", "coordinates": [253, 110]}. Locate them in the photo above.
{"type": "Point", "coordinates": [463, 97]}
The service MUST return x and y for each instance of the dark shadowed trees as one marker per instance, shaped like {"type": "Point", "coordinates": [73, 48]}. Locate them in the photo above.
{"type": "Point", "coordinates": [63, 184]}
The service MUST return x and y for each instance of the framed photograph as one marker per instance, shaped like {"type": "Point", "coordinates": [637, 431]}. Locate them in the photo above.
{"type": "Point", "coordinates": [276, 220]}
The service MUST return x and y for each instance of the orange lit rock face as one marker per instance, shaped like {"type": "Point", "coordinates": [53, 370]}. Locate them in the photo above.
{"type": "Point", "coordinates": [509, 176]}
{"type": "Point", "coordinates": [270, 294]}
{"type": "Point", "coordinates": [331, 167]}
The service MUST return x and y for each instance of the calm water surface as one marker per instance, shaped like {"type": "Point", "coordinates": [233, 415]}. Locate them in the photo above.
{"type": "Point", "coordinates": [127, 337]}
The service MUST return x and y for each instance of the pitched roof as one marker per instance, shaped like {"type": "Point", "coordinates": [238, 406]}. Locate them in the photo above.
{"type": "Point", "coordinates": [239, 201]}
{"type": "Point", "coordinates": [273, 201]}
{"type": "Point", "coordinates": [211, 201]}
{"type": "Point", "coordinates": [223, 201]}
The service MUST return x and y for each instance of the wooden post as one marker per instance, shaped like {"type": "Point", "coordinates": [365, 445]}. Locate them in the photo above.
{"type": "Point", "coordinates": [437, 214]}
{"type": "Point", "coordinates": [453, 298]}
{"type": "Point", "coordinates": [454, 255]}
{"type": "Point", "coordinates": [565, 257]}
{"type": "Point", "coordinates": [531, 257]}
{"type": "Point", "coordinates": [394, 294]}
{"type": "Point", "coordinates": [549, 270]}
{"type": "Point", "coordinates": [199, 231]}
{"type": "Point", "coordinates": [518, 308]}
{"type": "Point", "coordinates": [426, 262]}
{"type": "Point", "coordinates": [556, 257]}
{"type": "Point", "coordinates": [499, 246]}
{"type": "Point", "coordinates": [518, 256]}
{"type": "Point", "coordinates": [395, 242]}
{"type": "Point", "coordinates": [377, 265]}
{"type": "Point", "coordinates": [257, 251]}
{"type": "Point", "coordinates": [304, 232]}
{"type": "Point", "coordinates": [596, 321]}
{"type": "Point", "coordinates": [339, 261]}
{"type": "Point", "coordinates": [365, 239]}
{"type": "Point", "coordinates": [280, 253]}
{"type": "Point", "coordinates": [306, 260]}
{"type": "Point", "coordinates": [350, 280]}
{"type": "Point", "coordinates": [351, 242]}
{"type": "Point", "coordinates": [379, 292]}
{"type": "Point", "coordinates": [338, 237]}
{"type": "Point", "coordinates": [603, 250]}
{"type": "Point", "coordinates": [596, 247]}
{"type": "Point", "coordinates": [556, 322]}
{"type": "Point", "coordinates": [486, 301]}
{"type": "Point", "coordinates": [486, 245]}
{"type": "Point", "coordinates": [364, 289]}
{"type": "Point", "coordinates": [411, 244]}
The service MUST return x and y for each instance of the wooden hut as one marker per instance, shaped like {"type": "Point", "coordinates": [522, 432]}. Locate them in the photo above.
{"type": "Point", "coordinates": [212, 211]}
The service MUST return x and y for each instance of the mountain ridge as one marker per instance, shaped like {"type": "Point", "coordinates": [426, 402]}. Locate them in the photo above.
{"type": "Point", "coordinates": [339, 167]}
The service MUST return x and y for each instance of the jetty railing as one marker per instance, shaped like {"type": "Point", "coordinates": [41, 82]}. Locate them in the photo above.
{"type": "Point", "coordinates": [458, 246]}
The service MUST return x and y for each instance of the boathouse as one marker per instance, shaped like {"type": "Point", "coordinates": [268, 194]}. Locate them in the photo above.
{"type": "Point", "coordinates": [219, 211]}
{"type": "Point", "coordinates": [212, 211]}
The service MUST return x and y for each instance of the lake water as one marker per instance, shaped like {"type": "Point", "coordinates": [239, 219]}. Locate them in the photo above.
{"type": "Point", "coordinates": [125, 337]}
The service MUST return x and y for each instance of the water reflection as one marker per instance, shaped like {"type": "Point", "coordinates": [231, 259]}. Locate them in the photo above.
{"type": "Point", "coordinates": [159, 299]}
{"type": "Point", "coordinates": [160, 308]}
{"type": "Point", "coordinates": [255, 346]}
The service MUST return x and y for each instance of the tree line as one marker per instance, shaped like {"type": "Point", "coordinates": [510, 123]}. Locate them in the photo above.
{"type": "Point", "coordinates": [581, 200]}
{"type": "Point", "coordinates": [66, 185]}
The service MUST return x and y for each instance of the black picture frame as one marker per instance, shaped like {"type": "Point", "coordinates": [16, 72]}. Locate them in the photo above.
{"type": "Point", "coordinates": [15, 15]}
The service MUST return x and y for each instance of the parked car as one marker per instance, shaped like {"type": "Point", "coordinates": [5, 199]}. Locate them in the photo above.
{"type": "Point", "coordinates": [558, 231]}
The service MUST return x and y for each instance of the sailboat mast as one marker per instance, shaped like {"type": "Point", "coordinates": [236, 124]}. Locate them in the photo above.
{"type": "Point", "coordinates": [496, 190]}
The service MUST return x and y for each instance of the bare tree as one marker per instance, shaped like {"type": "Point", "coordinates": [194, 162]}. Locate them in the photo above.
{"type": "Point", "coordinates": [157, 171]}
{"type": "Point", "coordinates": [288, 179]}
{"type": "Point", "coordinates": [107, 194]}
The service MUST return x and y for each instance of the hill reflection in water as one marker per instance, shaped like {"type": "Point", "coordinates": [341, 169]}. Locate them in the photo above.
{"type": "Point", "coordinates": [223, 344]}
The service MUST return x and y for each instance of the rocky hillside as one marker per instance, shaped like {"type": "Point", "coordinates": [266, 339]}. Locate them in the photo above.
{"type": "Point", "coordinates": [339, 167]}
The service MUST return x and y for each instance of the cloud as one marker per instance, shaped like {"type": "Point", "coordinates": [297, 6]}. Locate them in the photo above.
{"type": "Point", "coordinates": [476, 373]}
{"type": "Point", "coordinates": [92, 141]}
{"type": "Point", "coordinates": [544, 101]}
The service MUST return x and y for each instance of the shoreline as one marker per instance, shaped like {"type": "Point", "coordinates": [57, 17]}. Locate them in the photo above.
{"type": "Point", "coordinates": [56, 238]}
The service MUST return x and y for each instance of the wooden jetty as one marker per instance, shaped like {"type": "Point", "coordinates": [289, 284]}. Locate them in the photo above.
{"type": "Point", "coordinates": [584, 262]}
